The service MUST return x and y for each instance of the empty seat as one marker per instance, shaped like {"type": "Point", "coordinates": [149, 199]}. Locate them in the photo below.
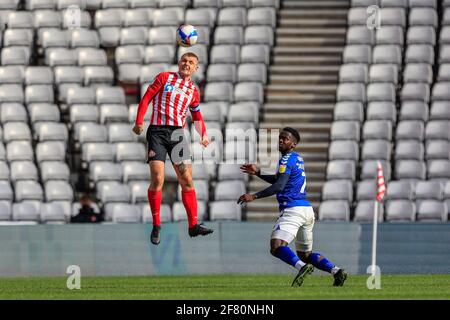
{"type": "Point", "coordinates": [437, 129]}
{"type": "Point", "coordinates": [248, 91]}
{"type": "Point", "coordinates": [39, 94]}
{"type": "Point", "coordinates": [231, 172]}
{"type": "Point", "coordinates": [101, 170]}
{"type": "Point", "coordinates": [376, 150]}
{"type": "Point", "coordinates": [55, 38]}
{"type": "Point", "coordinates": [60, 57]}
{"type": "Point", "coordinates": [343, 150]}
{"type": "Point", "coordinates": [222, 72]}
{"type": "Point", "coordinates": [441, 91]}
{"type": "Point", "coordinates": [28, 190]}
{"type": "Point", "coordinates": [357, 54]}
{"type": "Point", "coordinates": [159, 54]}
{"type": "Point", "coordinates": [120, 132]}
{"type": "Point", "coordinates": [218, 91]}
{"type": "Point", "coordinates": [124, 213]}
{"type": "Point", "coordinates": [437, 149]}
{"type": "Point", "coordinates": [432, 210]}
{"type": "Point", "coordinates": [50, 151]}
{"type": "Point", "coordinates": [229, 35]}
{"type": "Point", "coordinates": [97, 152]}
{"type": "Point", "coordinates": [259, 35]}
{"type": "Point", "coordinates": [423, 17]}
{"type": "Point", "coordinates": [348, 111]}
{"type": "Point", "coordinates": [168, 17]}
{"type": "Point", "coordinates": [15, 56]}
{"type": "Point", "coordinates": [353, 72]}
{"type": "Point", "coordinates": [364, 211]}
{"type": "Point", "coordinates": [239, 152]}
{"type": "Point", "coordinates": [16, 131]}
{"type": "Point", "coordinates": [20, 19]}
{"type": "Point", "coordinates": [351, 92]}
{"type": "Point", "coordinates": [139, 192]}
{"type": "Point", "coordinates": [201, 189]}
{"type": "Point", "coordinates": [25, 211]}
{"type": "Point", "coordinates": [133, 171]}
{"type": "Point", "coordinates": [377, 129]}
{"type": "Point", "coordinates": [12, 93]}
{"type": "Point", "coordinates": [84, 38]}
{"type": "Point", "coordinates": [6, 192]}
{"type": "Point", "coordinates": [68, 74]}
{"type": "Point", "coordinates": [381, 92]}
{"type": "Point", "coordinates": [418, 72]}
{"type": "Point", "coordinates": [341, 169]}
{"type": "Point", "coordinates": [419, 54]}
{"type": "Point", "coordinates": [179, 211]}
{"type": "Point", "coordinates": [51, 131]}
{"type": "Point", "coordinates": [400, 189]}
{"type": "Point", "coordinates": [337, 190]}
{"type": "Point", "coordinates": [414, 110]}
{"type": "Point", "coordinates": [244, 112]}
{"type": "Point", "coordinates": [334, 210]}
{"type": "Point", "coordinates": [360, 35]}
{"type": "Point", "coordinates": [11, 75]}
{"type": "Point", "coordinates": [108, 18]}
{"type": "Point", "coordinates": [369, 169]}
{"type": "Point", "coordinates": [393, 17]}
{"type": "Point", "coordinates": [415, 91]}
{"type": "Point", "coordinates": [53, 211]}
{"type": "Point", "coordinates": [129, 54]}
{"type": "Point", "coordinates": [229, 190]}
{"type": "Point", "coordinates": [90, 132]}
{"type": "Point", "coordinates": [130, 151]}
{"type": "Point", "coordinates": [387, 54]}
{"type": "Point", "coordinates": [98, 75]}
{"type": "Point", "coordinates": [262, 16]}
{"type": "Point", "coordinates": [409, 149]}
{"type": "Point", "coordinates": [410, 169]}
{"type": "Point", "coordinates": [165, 213]}
{"type": "Point", "coordinates": [18, 37]}
{"type": "Point", "coordinates": [444, 36]}
{"type": "Point", "coordinates": [429, 190]}
{"type": "Point", "coordinates": [366, 190]}
{"type": "Point", "coordinates": [109, 36]}
{"type": "Point", "coordinates": [225, 210]}
{"type": "Point", "coordinates": [19, 150]}
{"type": "Point", "coordinates": [58, 191]}
{"type": "Point", "coordinates": [444, 72]}
{"type": "Point", "coordinates": [5, 210]}
{"type": "Point", "coordinates": [438, 169]}
{"type": "Point", "coordinates": [400, 211]}
{"type": "Point", "coordinates": [345, 130]}
{"type": "Point", "coordinates": [81, 95]}
{"type": "Point", "coordinates": [199, 49]}
{"type": "Point", "coordinates": [254, 53]}
{"type": "Point", "coordinates": [54, 170]}
{"type": "Point", "coordinates": [4, 168]}
{"type": "Point", "coordinates": [421, 35]}
{"type": "Point", "coordinates": [133, 36]}
{"type": "Point", "coordinates": [256, 72]}
{"type": "Point", "coordinates": [113, 192]}
{"type": "Point", "coordinates": [382, 110]}
{"type": "Point", "coordinates": [84, 112]}
{"type": "Point", "coordinates": [38, 75]}
{"type": "Point", "coordinates": [356, 16]}
{"type": "Point", "coordinates": [225, 54]}
{"type": "Point", "coordinates": [13, 112]}
{"type": "Point", "coordinates": [232, 17]}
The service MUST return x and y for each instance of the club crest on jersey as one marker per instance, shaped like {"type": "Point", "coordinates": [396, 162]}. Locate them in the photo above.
{"type": "Point", "coordinates": [282, 169]}
{"type": "Point", "coordinates": [190, 90]}
{"type": "Point", "coordinates": [151, 154]}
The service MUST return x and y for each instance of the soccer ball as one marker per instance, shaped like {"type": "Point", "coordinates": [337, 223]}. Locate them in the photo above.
{"type": "Point", "coordinates": [186, 35]}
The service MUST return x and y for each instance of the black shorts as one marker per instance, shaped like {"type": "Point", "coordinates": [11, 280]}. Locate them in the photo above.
{"type": "Point", "coordinates": [163, 140]}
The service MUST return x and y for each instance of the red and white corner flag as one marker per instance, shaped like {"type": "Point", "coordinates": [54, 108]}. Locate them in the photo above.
{"type": "Point", "coordinates": [381, 187]}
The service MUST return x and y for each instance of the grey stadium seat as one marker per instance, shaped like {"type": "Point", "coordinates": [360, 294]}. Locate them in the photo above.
{"type": "Point", "coordinates": [53, 211]}
{"type": "Point", "coordinates": [109, 36]}
{"type": "Point", "coordinates": [113, 192]}
{"type": "Point", "coordinates": [376, 150]}
{"type": "Point", "coordinates": [161, 35]}
{"type": "Point", "coordinates": [356, 16]}
{"type": "Point", "coordinates": [229, 35]}
{"type": "Point", "coordinates": [5, 210]}
{"type": "Point", "coordinates": [81, 95]}
{"type": "Point", "coordinates": [16, 131]}
{"type": "Point", "coordinates": [28, 190]}
{"type": "Point", "coordinates": [235, 3]}
{"type": "Point", "coordinates": [225, 210]}
{"type": "Point", "coordinates": [17, 37]}
{"type": "Point", "coordinates": [419, 53]}
{"type": "Point", "coordinates": [400, 189]}
{"type": "Point", "coordinates": [135, 171]}
{"type": "Point", "coordinates": [199, 49]}
{"type": "Point", "coordinates": [229, 190]}
{"type": "Point", "coordinates": [179, 212]}
{"type": "Point", "coordinates": [124, 213]}
{"type": "Point", "coordinates": [429, 190]}
{"type": "Point", "coordinates": [423, 3]}
{"type": "Point", "coordinates": [159, 54]}
{"type": "Point", "coordinates": [369, 169]}
{"type": "Point", "coordinates": [168, 17]}
{"type": "Point", "coordinates": [58, 191]}
{"type": "Point", "coordinates": [248, 91]}
{"type": "Point", "coordinates": [201, 17]}
{"type": "Point", "coordinates": [437, 129]}
{"type": "Point", "coordinates": [139, 192]}
{"type": "Point", "coordinates": [120, 132]}
{"type": "Point", "coordinates": [351, 92]}
{"type": "Point", "coordinates": [364, 211]}
{"type": "Point", "coordinates": [262, 16]}
{"type": "Point", "coordinates": [444, 72]}
{"type": "Point", "coordinates": [344, 150]}
{"type": "Point", "coordinates": [421, 35]}
{"type": "Point", "coordinates": [415, 91]}
{"type": "Point", "coordinates": [60, 57]}
{"type": "Point", "coordinates": [110, 95]}
{"type": "Point", "coordinates": [218, 91]}
{"type": "Point", "coordinates": [38, 75]}
{"type": "Point", "coordinates": [341, 169]}
{"type": "Point", "coordinates": [12, 93]}
{"type": "Point", "coordinates": [441, 91]}
{"type": "Point", "coordinates": [11, 75]}
{"type": "Point", "coordinates": [437, 149]}
{"type": "Point", "coordinates": [353, 72]}
{"type": "Point", "coordinates": [390, 36]}
{"type": "Point", "coordinates": [381, 92]}
{"type": "Point", "coordinates": [68, 74]}
{"type": "Point", "coordinates": [108, 18]}
{"type": "Point", "coordinates": [6, 191]}
{"type": "Point", "coordinates": [393, 17]}
{"type": "Point", "coordinates": [12, 112]}
{"type": "Point", "coordinates": [232, 17]}
{"type": "Point", "coordinates": [334, 210]}
{"type": "Point", "coordinates": [360, 35]}
{"type": "Point", "coordinates": [25, 211]}
{"type": "Point", "coordinates": [440, 110]}
{"type": "Point", "coordinates": [418, 72]}
{"type": "Point", "coordinates": [366, 190]}
{"type": "Point", "coordinates": [259, 35]}
{"type": "Point", "coordinates": [104, 171]}
{"type": "Point", "coordinates": [39, 93]}
{"type": "Point", "coordinates": [438, 169]}
{"type": "Point", "coordinates": [357, 54]}
{"type": "Point", "coordinates": [19, 150]}
{"type": "Point", "coordinates": [54, 170]}
{"type": "Point", "coordinates": [387, 54]}
{"type": "Point", "coordinates": [90, 132]}
{"type": "Point", "coordinates": [52, 131]}
{"type": "Point", "coordinates": [383, 73]}
{"type": "Point", "coordinates": [133, 36]}
{"type": "Point", "coordinates": [345, 130]}
{"type": "Point", "coordinates": [410, 169]}
{"type": "Point", "coordinates": [20, 19]}
{"type": "Point", "coordinates": [256, 72]}
{"type": "Point", "coordinates": [84, 38]}
{"type": "Point", "coordinates": [432, 210]}
{"type": "Point", "coordinates": [444, 36]}
{"type": "Point", "coordinates": [97, 151]}
{"type": "Point", "coordinates": [230, 172]}
{"type": "Point", "coordinates": [255, 53]}
{"type": "Point", "coordinates": [225, 54]}
{"type": "Point", "coordinates": [265, 3]}
{"type": "Point", "coordinates": [45, 18]}
{"type": "Point", "coordinates": [54, 38]}
{"type": "Point", "coordinates": [409, 149]}
{"type": "Point", "coordinates": [337, 190]}
{"type": "Point", "coordinates": [423, 17]}
{"type": "Point", "coordinates": [4, 168]}
{"type": "Point", "coordinates": [50, 151]}
{"type": "Point", "coordinates": [15, 56]}
{"type": "Point", "coordinates": [400, 211]}
{"type": "Point", "coordinates": [130, 151]}
{"type": "Point", "coordinates": [377, 129]}
{"type": "Point", "coordinates": [98, 75]}
{"type": "Point", "coordinates": [84, 112]}
{"type": "Point", "coordinates": [348, 110]}
{"type": "Point", "coordinates": [245, 112]}
{"type": "Point", "coordinates": [381, 110]}
{"type": "Point", "coordinates": [222, 72]}
{"type": "Point", "coordinates": [201, 190]}
{"type": "Point", "coordinates": [136, 17]}
{"type": "Point", "coordinates": [165, 213]}
{"type": "Point", "coordinates": [394, 3]}
{"type": "Point", "coordinates": [414, 110]}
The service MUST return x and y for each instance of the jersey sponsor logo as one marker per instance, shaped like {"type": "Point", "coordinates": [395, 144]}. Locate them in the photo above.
{"type": "Point", "coordinates": [151, 154]}
{"type": "Point", "coordinates": [168, 88]}
{"type": "Point", "coordinates": [282, 169]}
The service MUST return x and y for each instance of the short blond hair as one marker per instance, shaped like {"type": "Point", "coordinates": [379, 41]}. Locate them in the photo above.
{"type": "Point", "coordinates": [190, 54]}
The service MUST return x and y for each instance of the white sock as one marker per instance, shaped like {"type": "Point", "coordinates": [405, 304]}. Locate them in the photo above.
{"type": "Point", "coordinates": [299, 264]}
{"type": "Point", "coordinates": [334, 270]}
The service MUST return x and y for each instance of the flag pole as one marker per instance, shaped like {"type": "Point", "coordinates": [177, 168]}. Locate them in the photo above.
{"type": "Point", "coordinates": [374, 237]}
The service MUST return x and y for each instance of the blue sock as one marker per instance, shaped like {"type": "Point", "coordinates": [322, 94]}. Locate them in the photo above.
{"type": "Point", "coordinates": [324, 264]}
{"type": "Point", "coordinates": [285, 253]}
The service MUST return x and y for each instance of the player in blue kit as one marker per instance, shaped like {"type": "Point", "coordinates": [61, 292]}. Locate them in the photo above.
{"type": "Point", "coordinates": [296, 214]}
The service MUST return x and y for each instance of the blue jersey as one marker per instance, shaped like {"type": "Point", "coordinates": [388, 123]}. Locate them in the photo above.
{"type": "Point", "coordinates": [294, 193]}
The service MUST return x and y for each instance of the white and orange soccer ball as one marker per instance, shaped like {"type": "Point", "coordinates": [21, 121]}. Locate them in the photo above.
{"type": "Point", "coordinates": [187, 35]}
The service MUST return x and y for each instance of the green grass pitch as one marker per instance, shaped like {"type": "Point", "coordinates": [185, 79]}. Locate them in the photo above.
{"type": "Point", "coordinates": [226, 287]}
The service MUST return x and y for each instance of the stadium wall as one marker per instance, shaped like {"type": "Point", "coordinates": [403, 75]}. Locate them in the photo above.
{"type": "Point", "coordinates": [234, 247]}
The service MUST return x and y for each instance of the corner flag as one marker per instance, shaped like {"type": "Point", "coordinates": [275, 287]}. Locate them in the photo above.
{"type": "Point", "coordinates": [381, 187]}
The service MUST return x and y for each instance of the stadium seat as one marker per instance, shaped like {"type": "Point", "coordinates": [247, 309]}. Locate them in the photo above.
{"type": "Point", "coordinates": [165, 213]}
{"type": "Point", "coordinates": [400, 211]}
{"type": "Point", "coordinates": [409, 149]}
{"type": "Point", "coordinates": [400, 190]}
{"type": "Point", "coordinates": [53, 211]}
{"type": "Point", "coordinates": [5, 210]}
{"type": "Point", "coordinates": [382, 110]}
{"type": "Point", "coordinates": [225, 54]}
{"type": "Point", "coordinates": [50, 151]}
{"type": "Point", "coordinates": [441, 91]}
{"type": "Point", "coordinates": [341, 169]}
{"type": "Point", "coordinates": [429, 190]}
{"type": "Point", "coordinates": [179, 212]}
{"type": "Point", "coordinates": [421, 35]}
{"type": "Point", "coordinates": [337, 190]}
{"type": "Point", "coordinates": [262, 16]}
{"type": "Point", "coordinates": [54, 170]}
{"type": "Point", "coordinates": [101, 170]}
{"type": "Point", "coordinates": [229, 190]}
{"type": "Point", "coordinates": [337, 210]}
{"type": "Point", "coordinates": [232, 17]}
{"type": "Point", "coordinates": [11, 75]}
{"type": "Point", "coordinates": [19, 151]}
{"type": "Point", "coordinates": [58, 191]}
{"type": "Point", "coordinates": [68, 74]}
{"type": "Point", "coordinates": [357, 54]}
{"type": "Point", "coordinates": [28, 190]}
{"type": "Point", "coordinates": [410, 169]}
{"type": "Point", "coordinates": [94, 75]}
{"type": "Point", "coordinates": [243, 112]}
{"type": "Point", "coordinates": [84, 38]}
{"type": "Point", "coordinates": [130, 151]}
{"type": "Point", "coordinates": [252, 72]}
{"type": "Point", "coordinates": [356, 16]}
{"type": "Point", "coordinates": [225, 210]}
{"type": "Point", "coordinates": [348, 111]}
{"type": "Point", "coordinates": [345, 130]}
{"type": "Point", "coordinates": [432, 211]}
{"type": "Point", "coordinates": [97, 151]}
{"type": "Point", "coordinates": [437, 129]}
{"type": "Point", "coordinates": [159, 54]}
{"type": "Point", "coordinates": [351, 92]}
{"type": "Point", "coordinates": [10, 112]}
{"type": "Point", "coordinates": [51, 131]}
{"type": "Point", "coordinates": [254, 53]}
{"type": "Point", "coordinates": [437, 149]}
{"type": "Point", "coordinates": [81, 95]}
{"type": "Point", "coordinates": [15, 56]}
{"type": "Point", "coordinates": [16, 131]}
{"type": "Point", "coordinates": [414, 110]}
{"type": "Point", "coordinates": [410, 129]}
{"type": "Point", "coordinates": [12, 93]}
{"type": "Point", "coordinates": [419, 54]}
{"type": "Point", "coordinates": [259, 35]}
{"type": "Point", "coordinates": [249, 91]}
{"type": "Point", "coordinates": [377, 129]}
{"type": "Point", "coordinates": [25, 211]}
{"type": "Point", "coordinates": [39, 94]}
{"type": "Point", "coordinates": [360, 35]}
{"type": "Point", "coordinates": [369, 169]}
{"type": "Point", "coordinates": [4, 170]}
{"type": "Point", "coordinates": [438, 169]}
{"type": "Point", "coordinates": [366, 190]}
{"type": "Point", "coordinates": [423, 17]}
{"type": "Point", "coordinates": [364, 211]}
{"type": "Point", "coordinates": [218, 91]}
{"type": "Point", "coordinates": [135, 171]}
{"type": "Point", "coordinates": [6, 191]}
{"type": "Point", "coordinates": [172, 16]}
{"type": "Point", "coordinates": [231, 172]}
{"type": "Point", "coordinates": [353, 72]}
{"type": "Point", "coordinates": [124, 212]}
{"type": "Point", "coordinates": [18, 37]}
{"type": "Point", "coordinates": [60, 57]}
{"type": "Point", "coordinates": [387, 54]}
{"type": "Point", "coordinates": [113, 191]}
{"type": "Point", "coordinates": [418, 72]}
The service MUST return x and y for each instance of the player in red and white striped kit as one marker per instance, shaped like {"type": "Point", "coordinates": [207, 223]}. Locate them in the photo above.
{"type": "Point", "coordinates": [172, 94]}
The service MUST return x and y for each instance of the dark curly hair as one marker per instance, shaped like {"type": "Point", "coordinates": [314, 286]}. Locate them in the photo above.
{"type": "Point", "coordinates": [293, 132]}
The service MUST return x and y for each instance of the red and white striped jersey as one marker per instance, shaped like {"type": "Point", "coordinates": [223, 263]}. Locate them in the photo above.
{"type": "Point", "coordinates": [171, 96]}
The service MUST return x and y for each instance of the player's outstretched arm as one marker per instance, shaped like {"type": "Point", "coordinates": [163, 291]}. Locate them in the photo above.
{"type": "Point", "coordinates": [278, 186]}
{"type": "Point", "coordinates": [253, 169]}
